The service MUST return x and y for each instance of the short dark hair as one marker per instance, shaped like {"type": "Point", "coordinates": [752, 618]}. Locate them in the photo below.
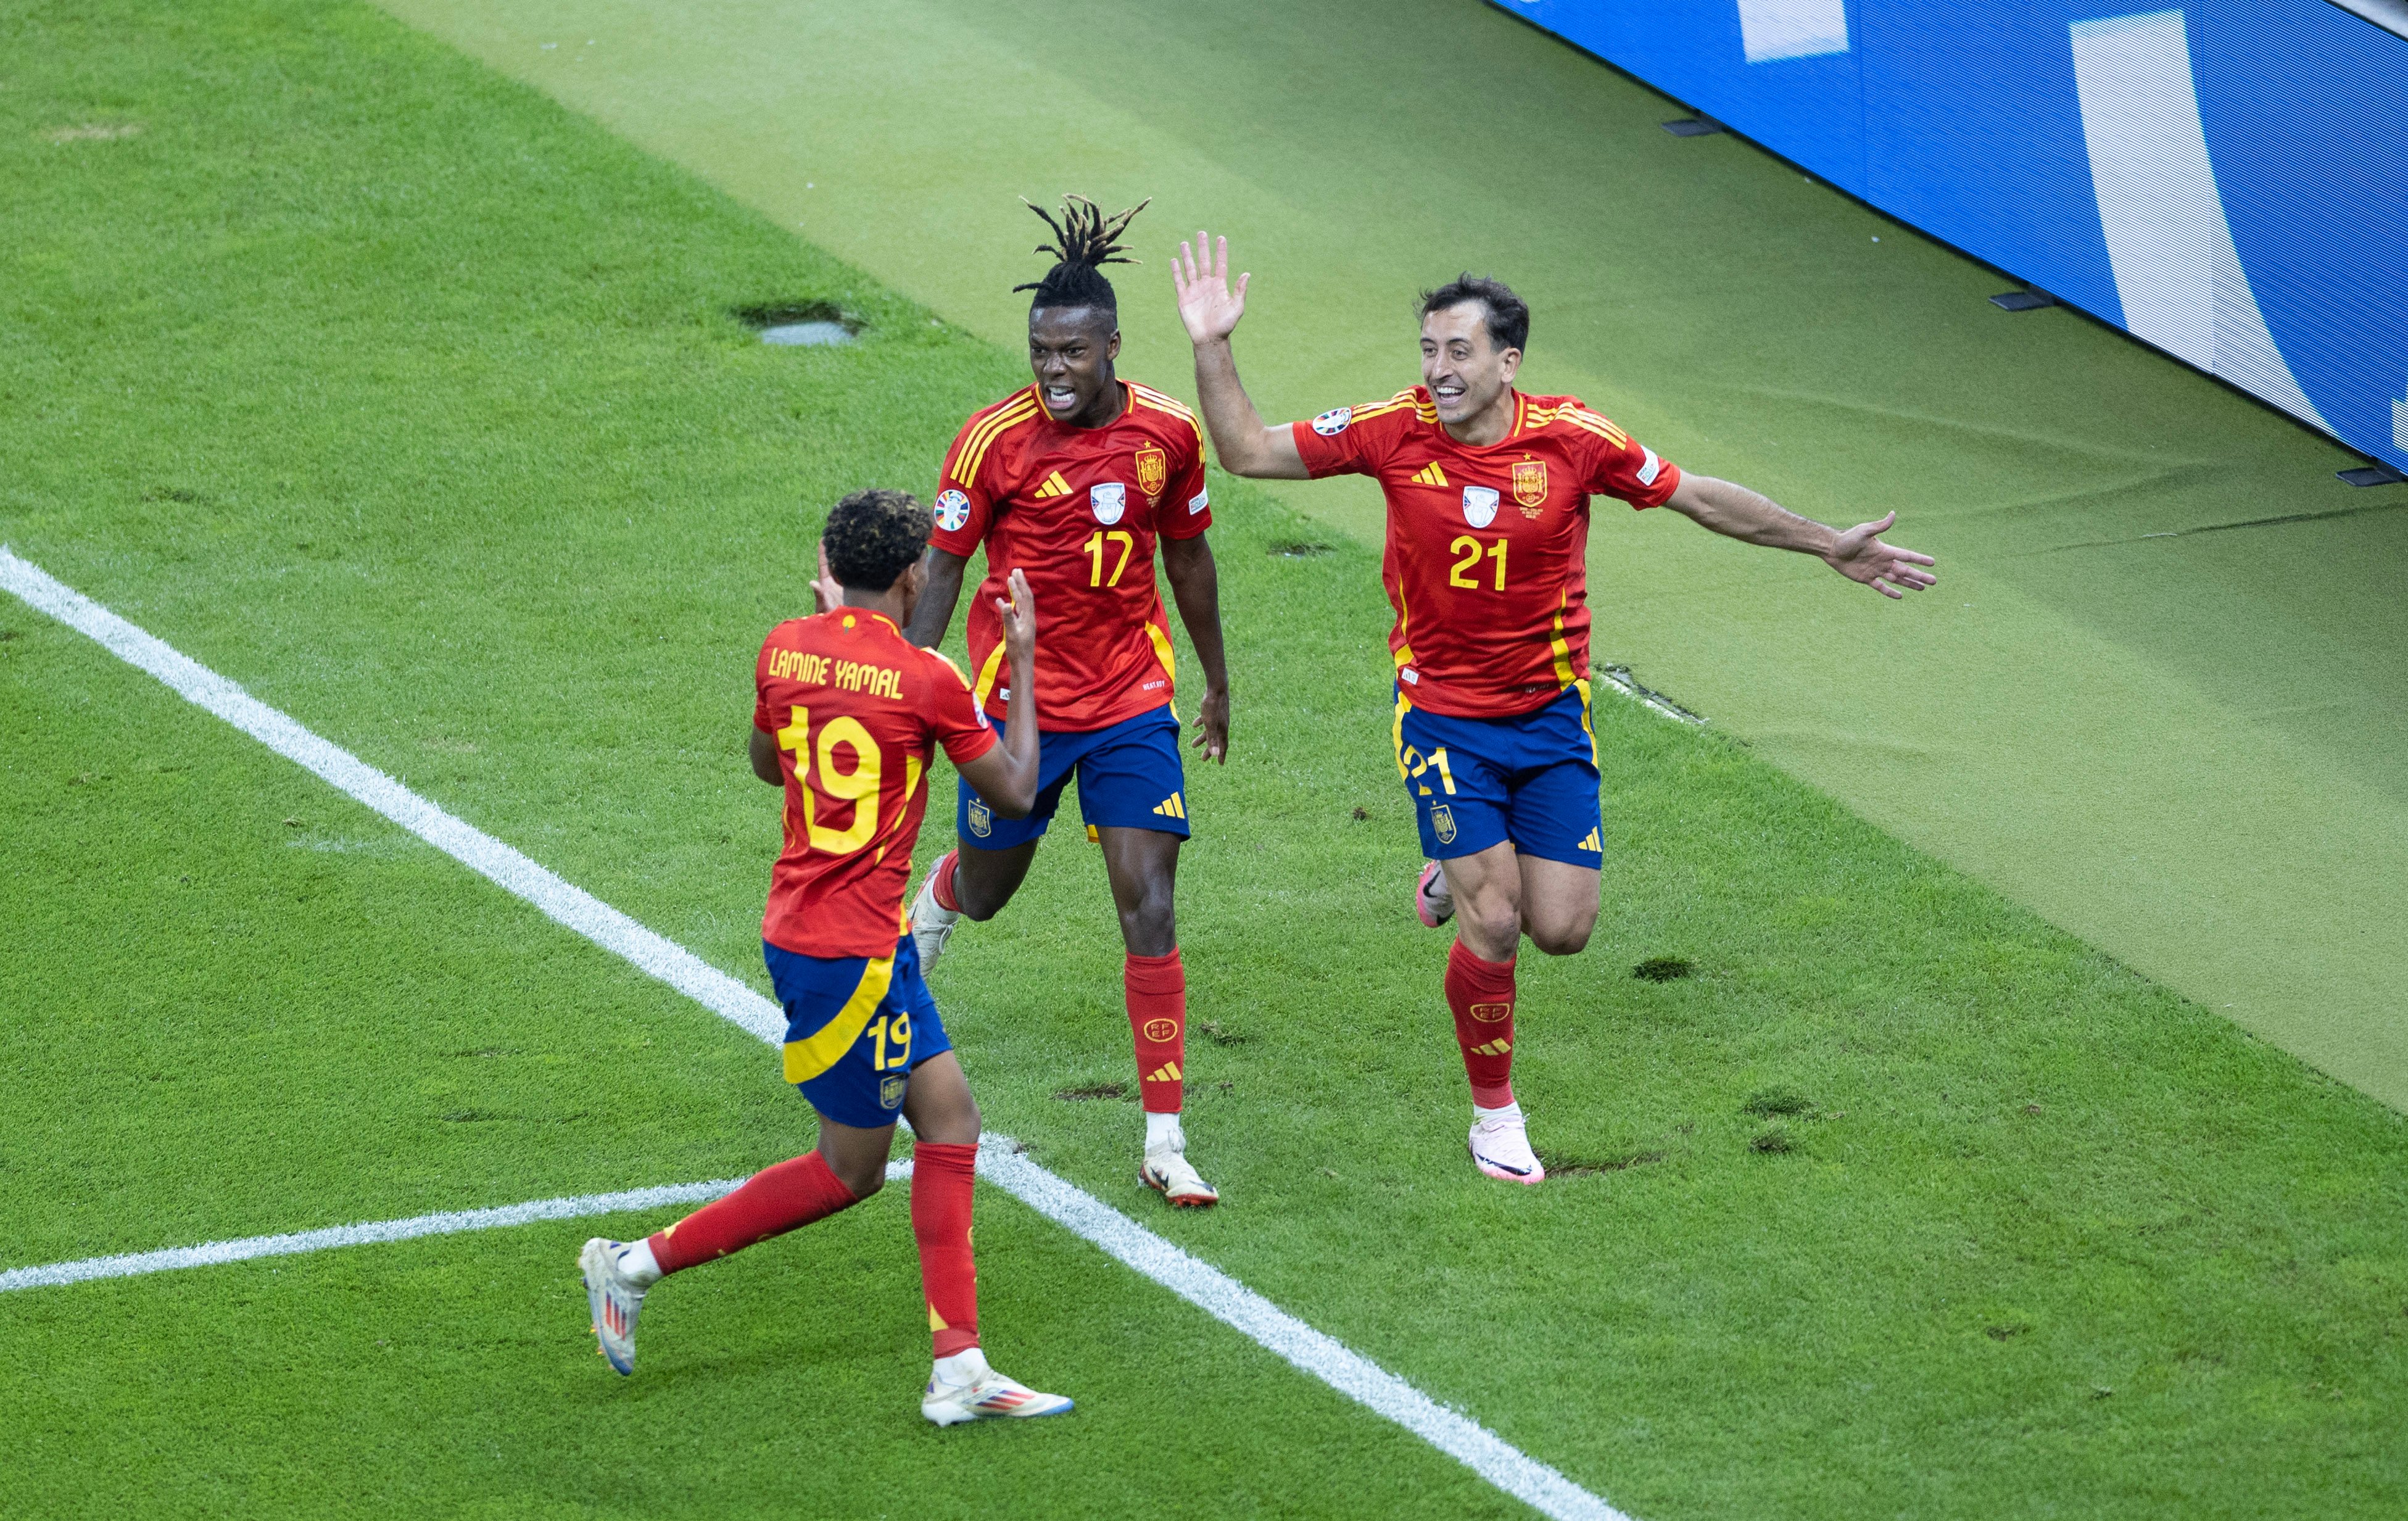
{"type": "Point", "coordinates": [873, 536]}
{"type": "Point", "coordinates": [1509, 320]}
{"type": "Point", "coordinates": [1084, 239]}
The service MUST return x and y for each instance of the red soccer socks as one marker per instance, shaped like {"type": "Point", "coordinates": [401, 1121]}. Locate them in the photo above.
{"type": "Point", "coordinates": [1157, 1011]}
{"type": "Point", "coordinates": [771, 1202]}
{"type": "Point", "coordinates": [941, 882]}
{"type": "Point", "coordinates": [1480, 993]}
{"type": "Point", "coordinates": [940, 1220]}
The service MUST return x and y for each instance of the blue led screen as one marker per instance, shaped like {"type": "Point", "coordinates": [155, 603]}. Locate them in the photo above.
{"type": "Point", "coordinates": [2227, 180]}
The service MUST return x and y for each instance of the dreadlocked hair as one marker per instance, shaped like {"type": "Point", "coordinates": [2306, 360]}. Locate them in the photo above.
{"type": "Point", "coordinates": [1084, 239]}
{"type": "Point", "coordinates": [873, 536]}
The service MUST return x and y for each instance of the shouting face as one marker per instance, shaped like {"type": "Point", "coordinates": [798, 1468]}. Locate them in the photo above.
{"type": "Point", "coordinates": [1071, 351]}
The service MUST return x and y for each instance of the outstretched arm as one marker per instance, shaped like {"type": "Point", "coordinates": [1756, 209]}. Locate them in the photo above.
{"type": "Point", "coordinates": [934, 612]}
{"type": "Point", "coordinates": [1858, 554]}
{"type": "Point", "coordinates": [1195, 586]}
{"type": "Point", "coordinates": [1210, 310]}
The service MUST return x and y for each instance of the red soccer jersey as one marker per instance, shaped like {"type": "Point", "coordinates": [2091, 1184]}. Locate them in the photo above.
{"type": "Point", "coordinates": [856, 712]}
{"type": "Point", "coordinates": [1077, 510]}
{"type": "Point", "coordinates": [1486, 561]}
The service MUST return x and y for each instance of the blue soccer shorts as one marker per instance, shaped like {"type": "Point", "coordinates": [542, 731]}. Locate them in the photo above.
{"type": "Point", "coordinates": [855, 1026]}
{"type": "Point", "coordinates": [1531, 780]}
{"type": "Point", "coordinates": [1129, 777]}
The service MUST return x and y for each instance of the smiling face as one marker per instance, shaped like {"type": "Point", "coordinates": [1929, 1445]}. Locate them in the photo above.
{"type": "Point", "coordinates": [1468, 376]}
{"type": "Point", "coordinates": [1071, 351]}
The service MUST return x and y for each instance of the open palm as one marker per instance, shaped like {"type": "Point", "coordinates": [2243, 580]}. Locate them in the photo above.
{"type": "Point", "coordinates": [1861, 557]}
{"type": "Point", "coordinates": [1207, 304]}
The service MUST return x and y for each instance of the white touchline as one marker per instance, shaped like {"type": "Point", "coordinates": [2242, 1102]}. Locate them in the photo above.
{"type": "Point", "coordinates": [369, 1232]}
{"type": "Point", "coordinates": [1000, 1161]}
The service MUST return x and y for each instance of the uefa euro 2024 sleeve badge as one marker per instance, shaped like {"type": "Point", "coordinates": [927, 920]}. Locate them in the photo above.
{"type": "Point", "coordinates": [1479, 505]}
{"type": "Point", "coordinates": [1110, 499]}
{"type": "Point", "coordinates": [1153, 471]}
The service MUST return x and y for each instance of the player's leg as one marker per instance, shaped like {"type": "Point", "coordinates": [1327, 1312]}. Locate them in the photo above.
{"type": "Point", "coordinates": [1133, 789]}
{"type": "Point", "coordinates": [1458, 774]}
{"type": "Point", "coordinates": [1559, 902]}
{"type": "Point", "coordinates": [944, 1162]}
{"type": "Point", "coordinates": [847, 1166]}
{"type": "Point", "coordinates": [977, 878]}
{"type": "Point", "coordinates": [837, 1030]}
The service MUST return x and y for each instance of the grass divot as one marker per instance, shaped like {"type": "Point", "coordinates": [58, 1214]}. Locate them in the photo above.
{"type": "Point", "coordinates": [1663, 969]}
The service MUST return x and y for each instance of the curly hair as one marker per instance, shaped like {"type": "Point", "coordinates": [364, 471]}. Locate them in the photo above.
{"type": "Point", "coordinates": [1084, 239]}
{"type": "Point", "coordinates": [873, 536]}
{"type": "Point", "coordinates": [1508, 318]}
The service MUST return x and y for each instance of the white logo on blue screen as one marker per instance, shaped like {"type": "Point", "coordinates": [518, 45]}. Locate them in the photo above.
{"type": "Point", "coordinates": [1109, 500]}
{"type": "Point", "coordinates": [952, 511]}
{"type": "Point", "coordinates": [1332, 423]}
{"type": "Point", "coordinates": [1479, 505]}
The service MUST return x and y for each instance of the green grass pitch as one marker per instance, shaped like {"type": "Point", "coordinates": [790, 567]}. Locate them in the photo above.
{"type": "Point", "coordinates": [416, 405]}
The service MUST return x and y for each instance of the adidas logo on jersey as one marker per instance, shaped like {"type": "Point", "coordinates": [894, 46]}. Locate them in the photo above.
{"type": "Point", "coordinates": [1053, 485]}
{"type": "Point", "coordinates": [1592, 843]}
{"type": "Point", "coordinates": [1429, 474]}
{"type": "Point", "coordinates": [1171, 807]}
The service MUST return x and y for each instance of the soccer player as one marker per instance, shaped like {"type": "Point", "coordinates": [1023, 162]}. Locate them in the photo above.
{"type": "Point", "coordinates": [846, 718]}
{"type": "Point", "coordinates": [1073, 481]}
{"type": "Point", "coordinates": [1487, 492]}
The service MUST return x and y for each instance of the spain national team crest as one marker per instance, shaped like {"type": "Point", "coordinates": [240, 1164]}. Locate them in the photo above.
{"type": "Point", "coordinates": [891, 1089]}
{"type": "Point", "coordinates": [1479, 505]}
{"type": "Point", "coordinates": [1443, 823]}
{"type": "Point", "coordinates": [982, 819]}
{"type": "Point", "coordinates": [1531, 482]}
{"type": "Point", "coordinates": [1490, 1013]}
{"type": "Point", "coordinates": [1162, 1030]}
{"type": "Point", "coordinates": [1153, 470]}
{"type": "Point", "coordinates": [1109, 500]}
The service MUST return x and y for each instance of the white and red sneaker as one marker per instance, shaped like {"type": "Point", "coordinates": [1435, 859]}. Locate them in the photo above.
{"type": "Point", "coordinates": [1501, 1147]}
{"type": "Point", "coordinates": [615, 1300]}
{"type": "Point", "coordinates": [987, 1397]}
{"type": "Point", "coordinates": [1433, 898]}
{"type": "Point", "coordinates": [1170, 1173]}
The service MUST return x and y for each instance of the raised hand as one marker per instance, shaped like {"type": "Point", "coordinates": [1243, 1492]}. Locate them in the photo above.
{"type": "Point", "coordinates": [1861, 555]}
{"type": "Point", "coordinates": [826, 595]}
{"type": "Point", "coordinates": [1200, 275]}
{"type": "Point", "coordinates": [1019, 617]}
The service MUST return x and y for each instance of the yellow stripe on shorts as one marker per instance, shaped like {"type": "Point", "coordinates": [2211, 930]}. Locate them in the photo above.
{"type": "Point", "coordinates": [815, 1053]}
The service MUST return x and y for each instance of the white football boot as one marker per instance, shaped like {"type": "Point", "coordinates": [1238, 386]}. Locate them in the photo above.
{"type": "Point", "coordinates": [615, 1299]}
{"type": "Point", "coordinates": [1501, 1147]}
{"type": "Point", "coordinates": [988, 1395]}
{"type": "Point", "coordinates": [932, 924]}
{"type": "Point", "coordinates": [1433, 899]}
{"type": "Point", "coordinates": [1167, 1171]}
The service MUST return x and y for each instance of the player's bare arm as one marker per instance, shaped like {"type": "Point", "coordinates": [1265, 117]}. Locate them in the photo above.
{"type": "Point", "coordinates": [934, 612]}
{"type": "Point", "coordinates": [1211, 308]}
{"type": "Point", "coordinates": [1858, 554]}
{"type": "Point", "coordinates": [1006, 776]}
{"type": "Point", "coordinates": [1195, 586]}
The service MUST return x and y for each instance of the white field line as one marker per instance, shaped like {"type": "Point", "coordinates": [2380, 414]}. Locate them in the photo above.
{"type": "Point", "coordinates": [368, 1233]}
{"type": "Point", "coordinates": [1207, 1288]}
